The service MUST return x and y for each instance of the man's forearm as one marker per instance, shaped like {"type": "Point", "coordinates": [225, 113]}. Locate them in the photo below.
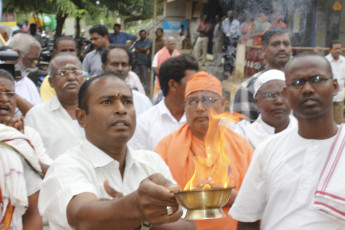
{"type": "Point", "coordinates": [249, 225]}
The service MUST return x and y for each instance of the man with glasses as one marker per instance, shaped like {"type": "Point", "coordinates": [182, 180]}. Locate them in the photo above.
{"type": "Point", "coordinates": [279, 189]}
{"type": "Point", "coordinates": [55, 119]}
{"type": "Point", "coordinates": [338, 68]}
{"type": "Point", "coordinates": [179, 149]}
{"type": "Point", "coordinates": [273, 107]}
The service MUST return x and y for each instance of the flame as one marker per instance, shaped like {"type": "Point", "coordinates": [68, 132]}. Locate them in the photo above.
{"type": "Point", "coordinates": [213, 170]}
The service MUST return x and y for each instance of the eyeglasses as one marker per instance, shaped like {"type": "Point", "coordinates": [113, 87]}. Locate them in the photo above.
{"type": "Point", "coordinates": [270, 96]}
{"type": "Point", "coordinates": [75, 73]}
{"type": "Point", "coordinates": [193, 102]}
{"type": "Point", "coordinates": [9, 95]}
{"type": "Point", "coordinates": [313, 80]}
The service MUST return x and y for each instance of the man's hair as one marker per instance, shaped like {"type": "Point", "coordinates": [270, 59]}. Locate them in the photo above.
{"type": "Point", "coordinates": [23, 42]}
{"type": "Point", "coordinates": [117, 24]}
{"type": "Point", "coordinates": [62, 38]}
{"type": "Point", "coordinates": [100, 29]}
{"type": "Point", "coordinates": [161, 29]}
{"type": "Point", "coordinates": [83, 94]}
{"type": "Point", "coordinates": [52, 62]}
{"type": "Point", "coordinates": [333, 42]}
{"type": "Point", "coordinates": [303, 55]}
{"type": "Point", "coordinates": [275, 30]}
{"type": "Point", "coordinates": [142, 31]}
{"type": "Point", "coordinates": [105, 52]}
{"type": "Point", "coordinates": [7, 75]}
{"type": "Point", "coordinates": [174, 68]}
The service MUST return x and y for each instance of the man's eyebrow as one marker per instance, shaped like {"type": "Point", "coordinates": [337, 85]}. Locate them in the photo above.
{"type": "Point", "coordinates": [116, 95]}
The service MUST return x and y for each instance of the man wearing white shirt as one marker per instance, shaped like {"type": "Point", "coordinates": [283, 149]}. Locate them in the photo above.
{"type": "Point", "coordinates": [338, 68]}
{"type": "Point", "coordinates": [273, 107]}
{"type": "Point", "coordinates": [117, 58]}
{"type": "Point", "coordinates": [278, 189]}
{"type": "Point", "coordinates": [55, 119]}
{"type": "Point", "coordinates": [168, 113]}
{"type": "Point", "coordinates": [73, 195]}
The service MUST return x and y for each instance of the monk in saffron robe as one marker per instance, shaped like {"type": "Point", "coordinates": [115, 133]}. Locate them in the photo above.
{"type": "Point", "coordinates": [179, 149]}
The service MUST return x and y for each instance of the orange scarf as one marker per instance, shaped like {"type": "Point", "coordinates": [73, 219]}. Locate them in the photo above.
{"type": "Point", "coordinates": [178, 151]}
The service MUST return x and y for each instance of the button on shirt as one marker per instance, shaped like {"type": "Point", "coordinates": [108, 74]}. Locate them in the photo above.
{"type": "Point", "coordinates": [338, 69]}
{"type": "Point", "coordinates": [84, 168]}
{"type": "Point", "coordinates": [153, 125]}
{"type": "Point", "coordinates": [56, 127]}
{"type": "Point", "coordinates": [121, 38]}
{"type": "Point", "coordinates": [280, 183]}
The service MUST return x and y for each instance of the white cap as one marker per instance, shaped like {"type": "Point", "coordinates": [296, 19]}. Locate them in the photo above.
{"type": "Point", "coordinates": [267, 76]}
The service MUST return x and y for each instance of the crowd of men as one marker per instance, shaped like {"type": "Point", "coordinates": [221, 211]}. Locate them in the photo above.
{"type": "Point", "coordinates": [92, 151]}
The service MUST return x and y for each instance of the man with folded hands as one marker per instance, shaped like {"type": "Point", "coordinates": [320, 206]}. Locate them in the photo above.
{"type": "Point", "coordinates": [73, 195]}
{"type": "Point", "coordinates": [284, 176]}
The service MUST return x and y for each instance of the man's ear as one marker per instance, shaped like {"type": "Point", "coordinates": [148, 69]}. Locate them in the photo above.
{"type": "Point", "coordinates": [172, 84]}
{"type": "Point", "coordinates": [81, 117]}
{"type": "Point", "coordinates": [335, 87]}
{"type": "Point", "coordinates": [51, 81]}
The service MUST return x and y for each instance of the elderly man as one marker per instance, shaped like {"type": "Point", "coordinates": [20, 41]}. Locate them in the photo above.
{"type": "Point", "coordinates": [8, 104]}
{"type": "Point", "coordinates": [55, 119]}
{"type": "Point", "coordinates": [277, 48]}
{"type": "Point", "coordinates": [72, 194]}
{"type": "Point", "coordinates": [181, 148]}
{"type": "Point", "coordinates": [282, 185]}
{"type": "Point", "coordinates": [118, 59]}
{"type": "Point", "coordinates": [62, 44]}
{"type": "Point", "coordinates": [100, 40]}
{"type": "Point", "coordinates": [169, 113]}
{"type": "Point", "coordinates": [19, 180]}
{"type": "Point", "coordinates": [28, 49]}
{"type": "Point", "coordinates": [273, 107]}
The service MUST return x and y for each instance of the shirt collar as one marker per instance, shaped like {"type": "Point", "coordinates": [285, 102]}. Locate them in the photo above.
{"type": "Point", "coordinates": [165, 111]}
{"type": "Point", "coordinates": [54, 104]}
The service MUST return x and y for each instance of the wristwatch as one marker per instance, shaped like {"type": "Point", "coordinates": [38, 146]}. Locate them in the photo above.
{"type": "Point", "coordinates": [145, 225]}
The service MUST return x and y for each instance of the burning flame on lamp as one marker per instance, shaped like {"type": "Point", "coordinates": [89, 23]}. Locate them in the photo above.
{"type": "Point", "coordinates": [213, 170]}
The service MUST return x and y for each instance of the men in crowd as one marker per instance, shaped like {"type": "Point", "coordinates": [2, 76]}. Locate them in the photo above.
{"type": "Point", "coordinates": [180, 149]}
{"type": "Point", "coordinates": [19, 184]}
{"type": "Point", "coordinates": [121, 38]}
{"type": "Point", "coordinates": [28, 49]}
{"type": "Point", "coordinates": [338, 69]}
{"type": "Point", "coordinates": [117, 58]}
{"type": "Point", "coordinates": [100, 40]}
{"type": "Point", "coordinates": [218, 40]}
{"type": "Point", "coordinates": [159, 42]}
{"type": "Point", "coordinates": [273, 108]}
{"type": "Point", "coordinates": [203, 30]}
{"type": "Point", "coordinates": [169, 50]}
{"type": "Point", "coordinates": [169, 113]}
{"type": "Point", "coordinates": [71, 196]}
{"type": "Point", "coordinates": [231, 26]}
{"type": "Point", "coordinates": [55, 120]}
{"type": "Point", "coordinates": [8, 107]}
{"type": "Point", "coordinates": [283, 176]}
{"type": "Point", "coordinates": [62, 44]}
{"type": "Point", "coordinates": [142, 59]}
{"type": "Point", "coordinates": [277, 48]}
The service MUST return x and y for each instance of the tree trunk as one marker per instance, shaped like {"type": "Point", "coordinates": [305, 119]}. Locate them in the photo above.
{"type": "Point", "coordinates": [77, 29]}
{"type": "Point", "coordinates": [60, 20]}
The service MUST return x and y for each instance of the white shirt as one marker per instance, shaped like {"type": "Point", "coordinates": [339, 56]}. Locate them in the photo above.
{"type": "Point", "coordinates": [84, 168]}
{"type": "Point", "coordinates": [281, 180]}
{"type": "Point", "coordinates": [153, 125]}
{"type": "Point", "coordinates": [55, 125]}
{"type": "Point", "coordinates": [338, 69]}
{"type": "Point", "coordinates": [258, 131]}
{"type": "Point", "coordinates": [141, 102]}
{"type": "Point", "coordinates": [35, 139]}
{"type": "Point", "coordinates": [27, 89]}
{"type": "Point", "coordinates": [231, 29]}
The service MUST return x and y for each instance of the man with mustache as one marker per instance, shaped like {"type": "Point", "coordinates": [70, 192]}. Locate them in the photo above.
{"type": "Point", "coordinates": [280, 187]}
{"type": "Point", "coordinates": [273, 107]}
{"type": "Point", "coordinates": [276, 44]}
{"type": "Point", "coordinates": [28, 49]}
{"type": "Point", "coordinates": [55, 119]}
{"type": "Point", "coordinates": [72, 194]}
